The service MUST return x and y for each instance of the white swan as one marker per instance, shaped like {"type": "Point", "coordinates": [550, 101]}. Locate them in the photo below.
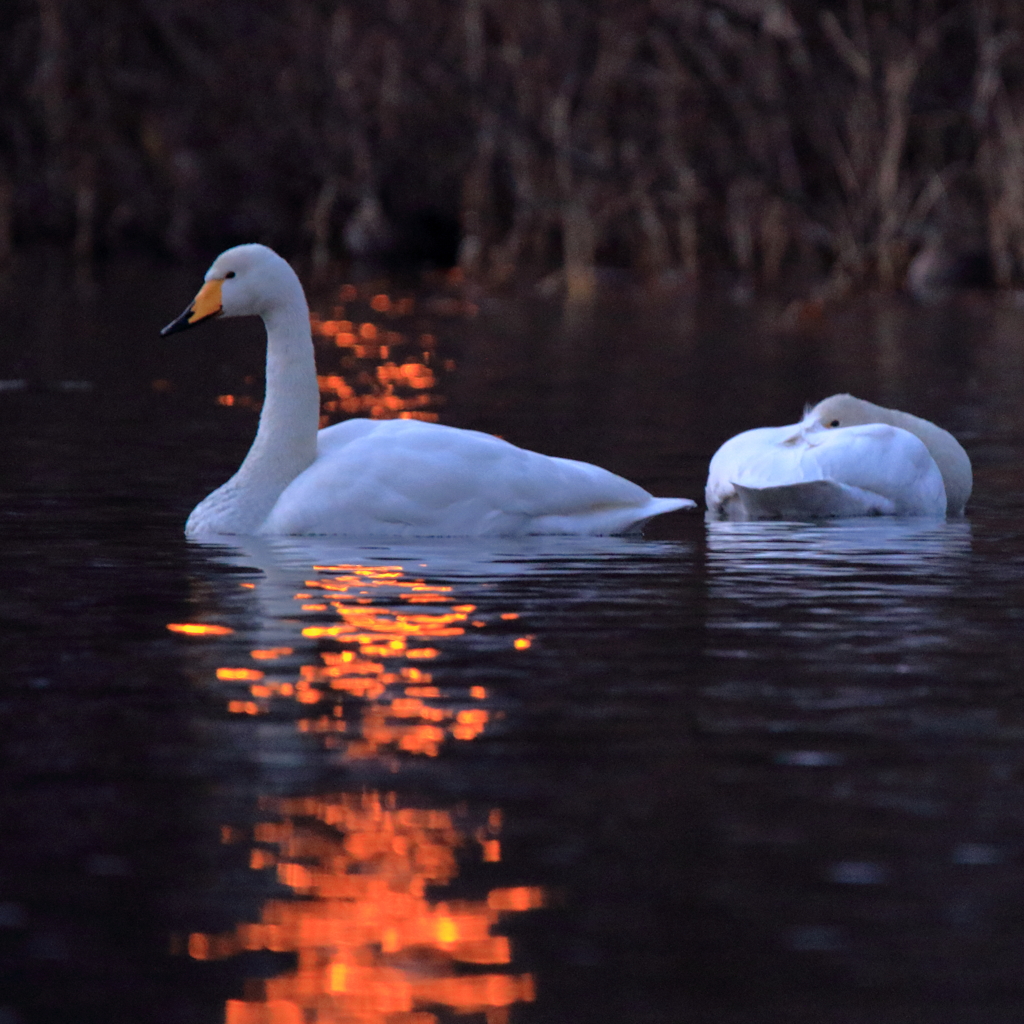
{"type": "Point", "coordinates": [386, 478]}
{"type": "Point", "coordinates": [846, 457]}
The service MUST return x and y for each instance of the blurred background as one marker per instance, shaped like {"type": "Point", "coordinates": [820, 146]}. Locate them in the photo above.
{"type": "Point", "coordinates": [808, 146]}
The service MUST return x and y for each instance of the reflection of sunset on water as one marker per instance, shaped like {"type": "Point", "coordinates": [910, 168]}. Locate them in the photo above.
{"type": "Point", "coordinates": [378, 643]}
{"type": "Point", "coordinates": [378, 355]}
{"type": "Point", "coordinates": [371, 946]}
{"type": "Point", "coordinates": [374, 938]}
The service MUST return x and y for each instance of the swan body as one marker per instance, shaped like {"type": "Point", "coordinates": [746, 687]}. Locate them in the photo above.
{"type": "Point", "coordinates": [381, 478]}
{"type": "Point", "coordinates": [846, 457]}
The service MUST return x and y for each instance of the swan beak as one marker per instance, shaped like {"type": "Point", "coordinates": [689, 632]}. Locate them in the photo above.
{"type": "Point", "coordinates": [206, 304]}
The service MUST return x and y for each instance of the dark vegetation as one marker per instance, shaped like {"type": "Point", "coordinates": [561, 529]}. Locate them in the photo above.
{"type": "Point", "coordinates": [800, 144]}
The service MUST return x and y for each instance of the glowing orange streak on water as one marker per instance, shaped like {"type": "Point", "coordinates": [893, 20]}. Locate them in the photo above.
{"type": "Point", "coordinates": [371, 947]}
{"type": "Point", "coordinates": [198, 629]}
{"type": "Point", "coordinates": [369, 944]}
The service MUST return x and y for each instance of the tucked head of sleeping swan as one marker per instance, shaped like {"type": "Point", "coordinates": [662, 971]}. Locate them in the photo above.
{"type": "Point", "coordinates": [381, 478]}
{"type": "Point", "coordinates": [846, 457]}
{"type": "Point", "coordinates": [949, 455]}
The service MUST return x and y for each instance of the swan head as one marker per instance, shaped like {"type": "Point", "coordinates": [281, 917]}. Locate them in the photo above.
{"type": "Point", "coordinates": [844, 411]}
{"type": "Point", "coordinates": [247, 280]}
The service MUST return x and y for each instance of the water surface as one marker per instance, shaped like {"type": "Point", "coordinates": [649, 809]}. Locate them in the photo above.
{"type": "Point", "coordinates": [729, 772]}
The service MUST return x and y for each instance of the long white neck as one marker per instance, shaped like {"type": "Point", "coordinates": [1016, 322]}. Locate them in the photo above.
{"type": "Point", "coordinates": [285, 442]}
{"type": "Point", "coordinates": [953, 462]}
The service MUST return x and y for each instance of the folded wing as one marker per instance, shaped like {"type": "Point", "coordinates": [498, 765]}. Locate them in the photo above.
{"type": "Point", "coordinates": [408, 478]}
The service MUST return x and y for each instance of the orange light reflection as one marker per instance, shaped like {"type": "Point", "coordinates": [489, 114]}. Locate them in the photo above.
{"type": "Point", "coordinates": [198, 629]}
{"type": "Point", "coordinates": [379, 641]}
{"type": "Point", "coordinates": [379, 363]}
{"type": "Point", "coordinates": [375, 941]}
{"type": "Point", "coordinates": [370, 944]}
{"type": "Point", "coordinates": [377, 360]}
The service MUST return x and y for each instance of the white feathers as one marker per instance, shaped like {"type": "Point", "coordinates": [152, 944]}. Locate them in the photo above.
{"type": "Point", "coordinates": [405, 478]}
{"type": "Point", "coordinates": [845, 458]}
{"type": "Point", "coordinates": [392, 478]}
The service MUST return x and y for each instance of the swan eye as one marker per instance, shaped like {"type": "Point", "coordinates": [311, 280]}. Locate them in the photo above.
{"type": "Point", "coordinates": [834, 423]}
{"type": "Point", "coordinates": [230, 273]}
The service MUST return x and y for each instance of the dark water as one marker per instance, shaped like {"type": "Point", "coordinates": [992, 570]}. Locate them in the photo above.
{"type": "Point", "coordinates": [729, 773]}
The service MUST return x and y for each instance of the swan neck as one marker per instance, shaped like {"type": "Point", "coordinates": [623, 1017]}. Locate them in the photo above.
{"type": "Point", "coordinates": [953, 462]}
{"type": "Point", "coordinates": [285, 442]}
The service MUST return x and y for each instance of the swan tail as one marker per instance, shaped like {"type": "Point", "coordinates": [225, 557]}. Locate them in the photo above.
{"type": "Point", "coordinates": [609, 520]}
{"type": "Point", "coordinates": [813, 499]}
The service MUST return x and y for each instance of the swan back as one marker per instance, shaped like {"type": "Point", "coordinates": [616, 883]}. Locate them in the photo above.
{"type": "Point", "coordinates": [953, 462]}
{"type": "Point", "coordinates": [407, 478]}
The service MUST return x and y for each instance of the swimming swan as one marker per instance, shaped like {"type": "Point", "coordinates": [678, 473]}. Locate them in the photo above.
{"type": "Point", "coordinates": [383, 478]}
{"type": "Point", "coordinates": [846, 457]}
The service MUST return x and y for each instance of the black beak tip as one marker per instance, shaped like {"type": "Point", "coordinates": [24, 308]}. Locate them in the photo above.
{"type": "Point", "coordinates": [178, 324]}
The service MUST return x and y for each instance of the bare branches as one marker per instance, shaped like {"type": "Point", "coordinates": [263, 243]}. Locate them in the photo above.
{"type": "Point", "coordinates": [854, 59]}
{"type": "Point", "coordinates": [756, 137]}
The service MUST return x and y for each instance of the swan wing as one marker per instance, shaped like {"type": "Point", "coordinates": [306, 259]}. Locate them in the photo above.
{"type": "Point", "coordinates": [409, 478]}
{"type": "Point", "coordinates": [341, 434]}
{"type": "Point", "coordinates": [868, 469]}
{"type": "Point", "coordinates": [815, 499]}
{"type": "Point", "coordinates": [737, 456]}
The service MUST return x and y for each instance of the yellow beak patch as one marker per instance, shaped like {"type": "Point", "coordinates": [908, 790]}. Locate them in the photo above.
{"type": "Point", "coordinates": [207, 302]}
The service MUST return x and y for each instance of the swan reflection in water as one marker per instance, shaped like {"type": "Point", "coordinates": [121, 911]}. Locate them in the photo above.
{"type": "Point", "coordinates": [909, 548]}
{"type": "Point", "coordinates": [342, 650]}
{"type": "Point", "coordinates": [817, 619]}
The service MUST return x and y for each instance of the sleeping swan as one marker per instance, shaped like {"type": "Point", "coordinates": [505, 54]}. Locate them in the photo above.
{"type": "Point", "coordinates": [846, 457]}
{"type": "Point", "coordinates": [381, 478]}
